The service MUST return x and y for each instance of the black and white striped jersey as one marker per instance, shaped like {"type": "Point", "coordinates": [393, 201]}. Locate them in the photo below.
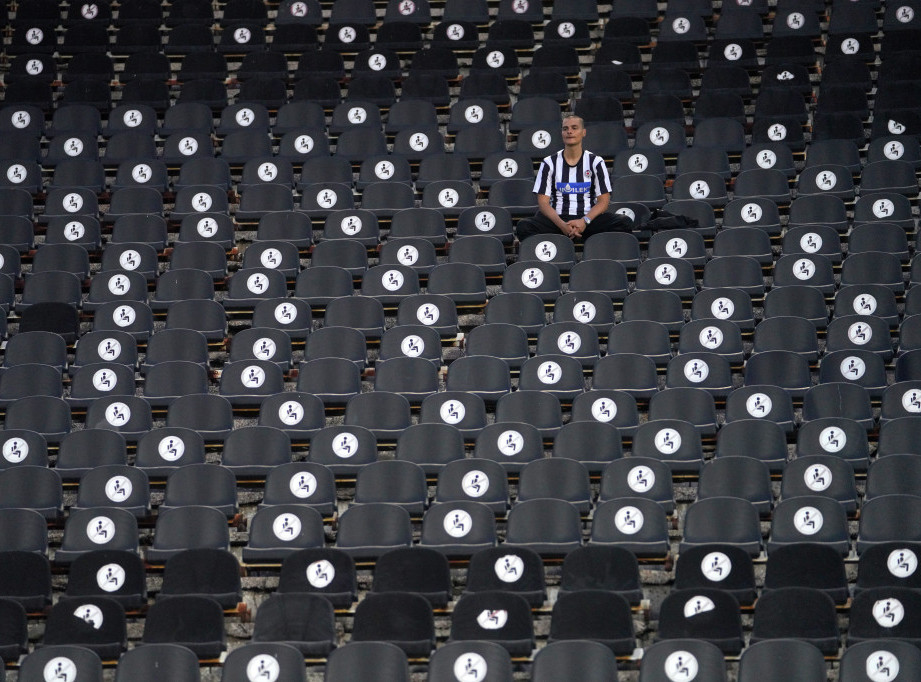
{"type": "Point", "coordinates": [573, 190]}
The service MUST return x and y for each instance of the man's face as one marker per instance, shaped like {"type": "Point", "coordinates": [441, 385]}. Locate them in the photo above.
{"type": "Point", "coordinates": [573, 130]}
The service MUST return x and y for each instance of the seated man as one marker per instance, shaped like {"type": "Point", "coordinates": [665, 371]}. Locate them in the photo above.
{"type": "Point", "coordinates": [573, 191]}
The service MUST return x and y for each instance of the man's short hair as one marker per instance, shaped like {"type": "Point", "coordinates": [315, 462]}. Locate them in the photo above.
{"type": "Point", "coordinates": [572, 115]}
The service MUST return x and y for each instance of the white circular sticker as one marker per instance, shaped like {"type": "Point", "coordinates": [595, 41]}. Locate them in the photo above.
{"type": "Point", "coordinates": [777, 132]}
{"type": "Point", "coordinates": [759, 405]}
{"type": "Point", "coordinates": [485, 221]}
{"type": "Point", "coordinates": [894, 150]}
{"type": "Point", "coordinates": [666, 275]}
{"type": "Point", "coordinates": [625, 211]}
{"type": "Point", "coordinates": [73, 146]}
{"type": "Point", "coordinates": [303, 144]}
{"type": "Point", "coordinates": [89, 614]}
{"type": "Point", "coordinates": [257, 283]}
{"type": "Point", "coordinates": [110, 577]}
{"type": "Point", "coordinates": [832, 439]}
{"type": "Point", "coordinates": [118, 489]}
{"type": "Point", "coordinates": [263, 669]}
{"type": "Point", "coordinates": [302, 485]}
{"type": "Point", "coordinates": [902, 563]}
{"type": "Point", "coordinates": [452, 412]}
{"type": "Point", "coordinates": [428, 314]}
{"type": "Point", "coordinates": [271, 258]}
{"type": "Point", "coordinates": [545, 251]}
{"type": "Point", "coordinates": [700, 189]}
{"type": "Point", "coordinates": [905, 14]}
{"type": "Point", "coordinates": [285, 313]}
{"type": "Point", "coordinates": [21, 119]}
{"type": "Point", "coordinates": [74, 231]}
{"type": "Point", "coordinates": [826, 180]}
{"type": "Point", "coordinates": [206, 227]}
{"type": "Point", "coordinates": [321, 573]}
{"type": "Point", "coordinates": [864, 304]}
{"type": "Point", "coordinates": [711, 337]}
{"type": "Point", "coordinates": [541, 139]}
{"type": "Point", "coordinates": [883, 208]}
{"type": "Point", "coordinates": [509, 568]}
{"type": "Point", "coordinates": [456, 32]}
{"type": "Point", "coordinates": [604, 410]}
{"type": "Point", "coordinates": [100, 530]}
{"type": "Point", "coordinates": [141, 173]}
{"type": "Point", "coordinates": [818, 478]}
{"type": "Point", "coordinates": [474, 112]}
{"type": "Point", "coordinates": [641, 479]}
{"type": "Point", "coordinates": [347, 34]}
{"type": "Point", "coordinates": [104, 380]}
{"type": "Point", "coordinates": [850, 46]}
{"type": "Point", "coordinates": [252, 376]}
{"type": "Point", "coordinates": [392, 280]}
{"type": "Point", "coordinates": [118, 414]}
{"type": "Point", "coordinates": [667, 441]}
{"type": "Point", "coordinates": [16, 173]}
{"type": "Point", "coordinates": [658, 136]}
{"type": "Point", "coordinates": [298, 9]}
{"type": "Point", "coordinates": [384, 170]}
{"type": "Point", "coordinates": [895, 127]}
{"type": "Point", "coordinates": [507, 168]}
{"type": "Point", "coordinates": [119, 285]}
{"type": "Point", "coordinates": [716, 566]}
{"type": "Point", "coordinates": [638, 163]}
{"type": "Point", "coordinates": [811, 242]}
{"type": "Point", "coordinates": [732, 52]}
{"type": "Point", "coordinates": [34, 67]}
{"type": "Point", "coordinates": [808, 520]}
{"type": "Point", "coordinates": [584, 311]}
{"type": "Point", "coordinates": [475, 483]}
{"type": "Point", "coordinates": [59, 668]}
{"type": "Point", "coordinates": [412, 346]}
{"type": "Point", "coordinates": [458, 523]}
{"type": "Point", "coordinates": [188, 146]}
{"type": "Point", "coordinates": [697, 605]}
{"type": "Point", "coordinates": [73, 202]}
{"type": "Point", "coordinates": [510, 443]}
{"type": "Point", "coordinates": [795, 20]}
{"type": "Point", "coordinates": [681, 25]}
{"type": "Point", "coordinates": [286, 527]}
{"type": "Point", "coordinates": [129, 260]}
{"type": "Point", "coordinates": [448, 197]}
{"type": "Point", "coordinates": [470, 667]}
{"type": "Point", "coordinates": [492, 619]}
{"type": "Point", "coordinates": [15, 450]}
{"type": "Point", "coordinates": [357, 115]}
{"type": "Point", "coordinates": [549, 372]}
{"type": "Point", "coordinates": [696, 371]}
{"type": "Point", "coordinates": [676, 247]}
{"type": "Point", "coordinates": [532, 278]}
{"type": "Point", "coordinates": [888, 612]}
{"type": "Point", "coordinates": [267, 172]}
{"type": "Point", "coordinates": [132, 118]}
{"type": "Point", "coordinates": [853, 368]}
{"type": "Point", "coordinates": [171, 448]}
{"type": "Point", "coordinates": [495, 59]}
{"type": "Point", "coordinates": [911, 401]}
{"type": "Point", "coordinates": [722, 308]}
{"type": "Point", "coordinates": [882, 666]}
{"type": "Point", "coordinates": [752, 213]}
{"type": "Point", "coordinates": [419, 142]}
{"type": "Point", "coordinates": [859, 333]}
{"type": "Point", "coordinates": [569, 343]}
{"type": "Point", "coordinates": [629, 520]}
{"type": "Point", "coordinates": [351, 225]}
{"type": "Point", "coordinates": [681, 666]}
{"type": "Point", "coordinates": [201, 202]}
{"type": "Point", "coordinates": [804, 269]}
{"type": "Point", "coordinates": [345, 445]}
{"type": "Point", "coordinates": [766, 159]}
{"type": "Point", "coordinates": [408, 255]}
{"type": "Point", "coordinates": [264, 348]}
{"type": "Point", "coordinates": [377, 62]}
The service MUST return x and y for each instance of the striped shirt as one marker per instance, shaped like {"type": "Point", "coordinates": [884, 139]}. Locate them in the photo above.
{"type": "Point", "coordinates": [573, 190]}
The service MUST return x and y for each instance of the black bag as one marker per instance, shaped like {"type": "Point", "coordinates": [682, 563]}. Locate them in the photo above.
{"type": "Point", "coordinates": [660, 219]}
